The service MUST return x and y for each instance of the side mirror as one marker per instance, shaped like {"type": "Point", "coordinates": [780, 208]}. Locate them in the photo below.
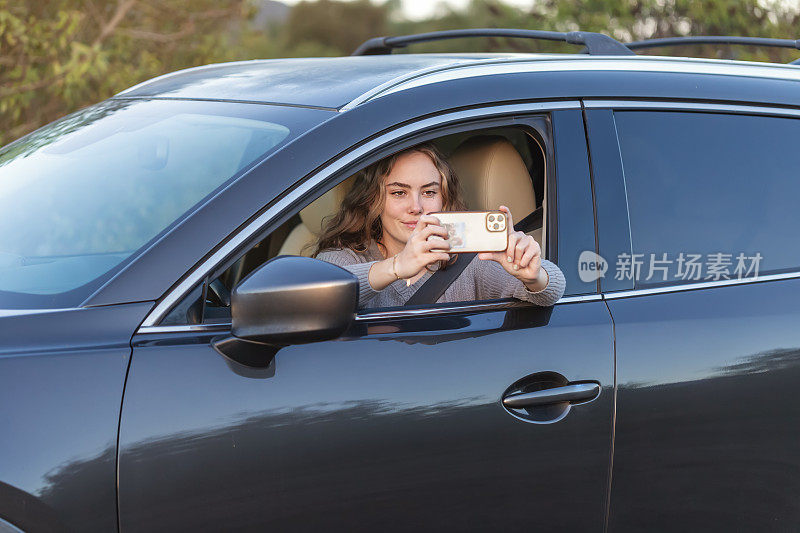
{"type": "Point", "coordinates": [288, 300]}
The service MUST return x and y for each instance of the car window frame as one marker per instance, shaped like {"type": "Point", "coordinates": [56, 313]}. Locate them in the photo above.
{"type": "Point", "coordinates": [523, 123]}
{"type": "Point", "coordinates": [312, 186]}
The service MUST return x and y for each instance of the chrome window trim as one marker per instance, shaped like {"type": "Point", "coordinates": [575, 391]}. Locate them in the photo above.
{"type": "Point", "coordinates": [19, 312]}
{"type": "Point", "coordinates": [381, 315]}
{"type": "Point", "coordinates": [411, 313]}
{"type": "Point", "coordinates": [699, 285]}
{"type": "Point", "coordinates": [187, 328]}
{"type": "Point", "coordinates": [8, 527]}
{"type": "Point", "coordinates": [197, 274]}
{"type": "Point", "coordinates": [646, 105]}
{"type": "Point", "coordinates": [604, 64]}
{"type": "Point", "coordinates": [579, 298]}
{"type": "Point", "coordinates": [462, 308]}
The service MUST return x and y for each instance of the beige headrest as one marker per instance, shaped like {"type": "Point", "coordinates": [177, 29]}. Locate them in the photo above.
{"type": "Point", "coordinates": [326, 205]}
{"type": "Point", "coordinates": [493, 173]}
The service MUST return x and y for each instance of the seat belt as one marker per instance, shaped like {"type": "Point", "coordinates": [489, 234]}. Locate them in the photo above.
{"type": "Point", "coordinates": [432, 290]}
{"type": "Point", "coordinates": [531, 222]}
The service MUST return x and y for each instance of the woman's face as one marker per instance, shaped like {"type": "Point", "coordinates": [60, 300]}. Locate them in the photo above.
{"type": "Point", "coordinates": [413, 188]}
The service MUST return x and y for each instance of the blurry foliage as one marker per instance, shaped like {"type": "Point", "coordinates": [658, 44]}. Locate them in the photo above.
{"type": "Point", "coordinates": [625, 20]}
{"type": "Point", "coordinates": [57, 56]}
{"type": "Point", "coordinates": [335, 27]}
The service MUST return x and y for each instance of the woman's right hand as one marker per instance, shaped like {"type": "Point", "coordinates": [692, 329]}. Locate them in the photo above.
{"type": "Point", "coordinates": [419, 250]}
{"type": "Point", "coordinates": [417, 254]}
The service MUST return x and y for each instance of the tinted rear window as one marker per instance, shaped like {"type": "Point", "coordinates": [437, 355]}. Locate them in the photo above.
{"type": "Point", "coordinates": [721, 187]}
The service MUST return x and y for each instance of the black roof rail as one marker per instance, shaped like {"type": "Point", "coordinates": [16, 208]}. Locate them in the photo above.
{"type": "Point", "coordinates": [596, 43]}
{"type": "Point", "coordinates": [711, 39]}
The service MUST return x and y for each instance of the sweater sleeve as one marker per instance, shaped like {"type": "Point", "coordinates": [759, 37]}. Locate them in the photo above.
{"type": "Point", "coordinates": [350, 261]}
{"type": "Point", "coordinates": [494, 282]}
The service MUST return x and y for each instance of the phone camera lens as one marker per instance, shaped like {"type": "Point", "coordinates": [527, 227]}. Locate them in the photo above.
{"type": "Point", "coordinates": [499, 218]}
{"type": "Point", "coordinates": [496, 225]}
{"type": "Point", "coordinates": [491, 218]}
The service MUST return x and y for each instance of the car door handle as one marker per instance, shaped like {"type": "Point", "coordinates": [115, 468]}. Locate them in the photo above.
{"type": "Point", "coordinates": [569, 393]}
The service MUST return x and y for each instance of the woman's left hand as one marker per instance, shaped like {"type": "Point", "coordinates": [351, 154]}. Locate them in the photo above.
{"type": "Point", "coordinates": [523, 257]}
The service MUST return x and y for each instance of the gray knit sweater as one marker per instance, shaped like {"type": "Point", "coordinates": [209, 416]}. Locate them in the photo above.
{"type": "Point", "coordinates": [480, 280]}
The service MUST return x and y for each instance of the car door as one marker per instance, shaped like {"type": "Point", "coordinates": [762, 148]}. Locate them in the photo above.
{"type": "Point", "coordinates": [707, 355]}
{"type": "Point", "coordinates": [397, 425]}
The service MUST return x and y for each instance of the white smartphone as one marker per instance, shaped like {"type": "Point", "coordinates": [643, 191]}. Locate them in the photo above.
{"type": "Point", "coordinates": [474, 231]}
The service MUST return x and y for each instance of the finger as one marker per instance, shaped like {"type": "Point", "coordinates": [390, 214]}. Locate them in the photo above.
{"type": "Point", "coordinates": [527, 256]}
{"type": "Point", "coordinates": [433, 257]}
{"type": "Point", "coordinates": [511, 248]}
{"type": "Point", "coordinates": [421, 235]}
{"type": "Point", "coordinates": [523, 242]}
{"type": "Point", "coordinates": [532, 253]}
{"type": "Point", "coordinates": [421, 225]}
{"type": "Point", "coordinates": [429, 219]}
{"type": "Point", "coordinates": [537, 252]}
{"type": "Point", "coordinates": [509, 219]}
{"type": "Point", "coordinates": [432, 229]}
{"type": "Point", "coordinates": [499, 257]}
{"type": "Point", "coordinates": [435, 243]}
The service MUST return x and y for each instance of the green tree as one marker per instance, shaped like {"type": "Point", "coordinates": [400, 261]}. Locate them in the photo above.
{"type": "Point", "coordinates": [330, 27]}
{"type": "Point", "coordinates": [57, 56]}
{"type": "Point", "coordinates": [650, 19]}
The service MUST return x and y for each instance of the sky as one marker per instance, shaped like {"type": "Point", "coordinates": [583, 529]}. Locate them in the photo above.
{"type": "Point", "coordinates": [421, 9]}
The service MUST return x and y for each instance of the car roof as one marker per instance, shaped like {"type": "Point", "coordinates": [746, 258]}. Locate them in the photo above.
{"type": "Point", "coordinates": [343, 82]}
{"type": "Point", "coordinates": [329, 82]}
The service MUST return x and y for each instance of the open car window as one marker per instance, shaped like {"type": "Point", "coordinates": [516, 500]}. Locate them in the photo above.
{"type": "Point", "coordinates": [210, 303]}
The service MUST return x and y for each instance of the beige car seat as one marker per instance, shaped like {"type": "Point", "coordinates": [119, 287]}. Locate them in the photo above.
{"type": "Point", "coordinates": [303, 238]}
{"type": "Point", "coordinates": [492, 173]}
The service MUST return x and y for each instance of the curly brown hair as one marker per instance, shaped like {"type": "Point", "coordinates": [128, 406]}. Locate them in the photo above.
{"type": "Point", "coordinates": [358, 221]}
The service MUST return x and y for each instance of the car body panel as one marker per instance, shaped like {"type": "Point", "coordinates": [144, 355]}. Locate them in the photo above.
{"type": "Point", "coordinates": [705, 432]}
{"type": "Point", "coordinates": [610, 199]}
{"type": "Point", "coordinates": [398, 425]}
{"type": "Point", "coordinates": [61, 381]}
{"type": "Point", "coordinates": [574, 200]}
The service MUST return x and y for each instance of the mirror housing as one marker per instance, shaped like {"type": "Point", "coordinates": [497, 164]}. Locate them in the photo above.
{"type": "Point", "coordinates": [288, 300]}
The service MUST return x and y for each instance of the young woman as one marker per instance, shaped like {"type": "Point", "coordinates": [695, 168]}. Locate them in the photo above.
{"type": "Point", "coordinates": [381, 233]}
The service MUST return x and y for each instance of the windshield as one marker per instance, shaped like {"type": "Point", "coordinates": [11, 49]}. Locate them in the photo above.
{"type": "Point", "coordinates": [82, 195]}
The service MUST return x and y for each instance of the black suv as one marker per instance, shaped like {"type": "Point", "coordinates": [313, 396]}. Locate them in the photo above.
{"type": "Point", "coordinates": [171, 358]}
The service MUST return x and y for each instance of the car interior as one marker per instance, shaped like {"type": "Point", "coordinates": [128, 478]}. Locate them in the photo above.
{"type": "Point", "coordinates": [495, 166]}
